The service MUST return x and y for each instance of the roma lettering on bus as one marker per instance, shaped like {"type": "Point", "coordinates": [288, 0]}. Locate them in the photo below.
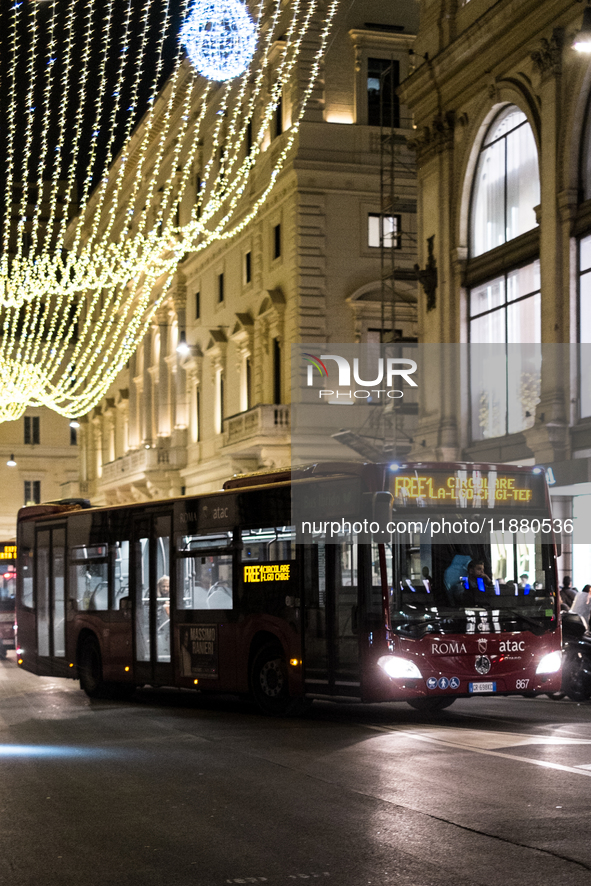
{"type": "Point", "coordinates": [450, 648]}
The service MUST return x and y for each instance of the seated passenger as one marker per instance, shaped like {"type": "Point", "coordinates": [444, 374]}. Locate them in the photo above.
{"type": "Point", "coordinates": [477, 578]}
{"type": "Point", "coordinates": [465, 592]}
{"type": "Point", "coordinates": [452, 577]}
{"type": "Point", "coordinates": [163, 595]}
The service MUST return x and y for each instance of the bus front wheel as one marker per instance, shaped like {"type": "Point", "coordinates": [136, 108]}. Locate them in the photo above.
{"type": "Point", "coordinates": [431, 705]}
{"type": "Point", "coordinates": [90, 669]}
{"type": "Point", "coordinates": [268, 681]}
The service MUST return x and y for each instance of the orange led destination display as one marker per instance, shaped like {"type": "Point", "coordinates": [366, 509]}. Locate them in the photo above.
{"type": "Point", "coordinates": [7, 552]}
{"type": "Point", "coordinates": [466, 489]}
{"type": "Point", "coordinates": [266, 572]}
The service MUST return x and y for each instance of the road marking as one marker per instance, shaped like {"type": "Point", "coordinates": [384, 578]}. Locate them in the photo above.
{"type": "Point", "coordinates": [466, 746]}
{"type": "Point", "coordinates": [490, 740]}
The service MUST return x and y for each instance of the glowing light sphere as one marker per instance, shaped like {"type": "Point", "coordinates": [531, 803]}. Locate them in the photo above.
{"type": "Point", "coordinates": [219, 38]}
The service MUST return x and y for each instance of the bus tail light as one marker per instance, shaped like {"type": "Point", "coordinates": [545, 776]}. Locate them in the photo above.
{"type": "Point", "coordinates": [550, 663]}
{"type": "Point", "coordinates": [399, 668]}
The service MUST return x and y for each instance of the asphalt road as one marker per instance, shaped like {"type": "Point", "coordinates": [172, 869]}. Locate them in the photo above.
{"type": "Point", "coordinates": [173, 788]}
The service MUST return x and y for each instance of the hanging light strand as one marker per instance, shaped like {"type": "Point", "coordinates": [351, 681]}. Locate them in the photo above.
{"type": "Point", "coordinates": [122, 259]}
{"type": "Point", "coordinates": [11, 132]}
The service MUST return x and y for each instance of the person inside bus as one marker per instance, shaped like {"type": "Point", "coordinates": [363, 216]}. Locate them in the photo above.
{"type": "Point", "coordinates": [477, 577]}
{"type": "Point", "coordinates": [163, 595]}
{"type": "Point", "coordinates": [461, 587]}
{"type": "Point", "coordinates": [524, 583]}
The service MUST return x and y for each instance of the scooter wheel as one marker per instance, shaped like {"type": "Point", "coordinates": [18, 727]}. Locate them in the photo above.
{"type": "Point", "coordinates": [574, 679]}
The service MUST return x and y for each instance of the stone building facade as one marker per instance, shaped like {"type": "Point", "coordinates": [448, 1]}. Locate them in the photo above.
{"type": "Point", "coordinates": [501, 98]}
{"type": "Point", "coordinates": [307, 269]}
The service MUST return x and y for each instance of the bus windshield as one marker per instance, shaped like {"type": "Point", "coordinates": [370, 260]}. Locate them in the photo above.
{"type": "Point", "coordinates": [502, 584]}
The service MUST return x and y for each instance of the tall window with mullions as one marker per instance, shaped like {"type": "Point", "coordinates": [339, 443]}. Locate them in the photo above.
{"type": "Point", "coordinates": [383, 105]}
{"type": "Point", "coordinates": [585, 324]}
{"type": "Point", "coordinates": [504, 301]}
{"type": "Point", "coordinates": [505, 315]}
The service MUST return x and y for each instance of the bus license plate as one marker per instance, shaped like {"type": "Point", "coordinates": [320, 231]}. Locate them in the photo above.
{"type": "Point", "coordinates": [482, 687]}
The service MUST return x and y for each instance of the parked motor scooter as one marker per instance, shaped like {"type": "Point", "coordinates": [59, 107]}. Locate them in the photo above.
{"type": "Point", "coordinates": [576, 659]}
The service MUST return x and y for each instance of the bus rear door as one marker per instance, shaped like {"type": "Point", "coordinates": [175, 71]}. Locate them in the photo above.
{"type": "Point", "coordinates": [152, 599]}
{"type": "Point", "coordinates": [332, 653]}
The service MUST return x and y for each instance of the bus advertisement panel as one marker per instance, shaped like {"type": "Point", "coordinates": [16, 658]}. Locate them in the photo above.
{"type": "Point", "coordinates": [228, 592]}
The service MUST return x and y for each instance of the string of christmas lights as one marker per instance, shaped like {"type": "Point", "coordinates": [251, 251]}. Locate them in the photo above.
{"type": "Point", "coordinates": [78, 294]}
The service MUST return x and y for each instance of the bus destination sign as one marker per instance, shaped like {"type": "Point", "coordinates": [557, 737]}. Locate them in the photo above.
{"type": "Point", "coordinates": [467, 489]}
{"type": "Point", "coordinates": [7, 552]}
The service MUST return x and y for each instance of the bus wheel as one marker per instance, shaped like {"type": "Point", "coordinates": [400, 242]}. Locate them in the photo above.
{"type": "Point", "coordinates": [431, 705]}
{"type": "Point", "coordinates": [90, 669]}
{"type": "Point", "coordinates": [268, 680]}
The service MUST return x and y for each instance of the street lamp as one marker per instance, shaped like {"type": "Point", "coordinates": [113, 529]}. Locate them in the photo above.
{"type": "Point", "coordinates": [75, 423]}
{"type": "Point", "coordinates": [183, 348]}
{"type": "Point", "coordinates": [582, 41]}
{"type": "Point", "coordinates": [11, 462]}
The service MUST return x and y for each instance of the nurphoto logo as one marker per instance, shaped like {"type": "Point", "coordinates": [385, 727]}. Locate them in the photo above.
{"type": "Point", "coordinates": [386, 371]}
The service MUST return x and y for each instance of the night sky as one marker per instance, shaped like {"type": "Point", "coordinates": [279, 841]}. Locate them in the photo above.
{"type": "Point", "coordinates": [120, 8]}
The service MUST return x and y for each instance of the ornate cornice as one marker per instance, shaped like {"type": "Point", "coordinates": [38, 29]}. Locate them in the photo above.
{"type": "Point", "coordinates": [548, 58]}
{"type": "Point", "coordinates": [436, 137]}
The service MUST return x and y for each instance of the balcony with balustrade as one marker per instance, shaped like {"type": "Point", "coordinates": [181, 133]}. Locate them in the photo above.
{"type": "Point", "coordinates": [144, 474]}
{"type": "Point", "coordinates": [262, 433]}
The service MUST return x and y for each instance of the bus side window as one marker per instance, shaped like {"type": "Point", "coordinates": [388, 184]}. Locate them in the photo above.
{"type": "Point", "coordinates": [26, 555]}
{"type": "Point", "coordinates": [121, 586]}
{"type": "Point", "coordinates": [205, 582]}
{"type": "Point", "coordinates": [269, 544]}
{"type": "Point", "coordinates": [89, 578]}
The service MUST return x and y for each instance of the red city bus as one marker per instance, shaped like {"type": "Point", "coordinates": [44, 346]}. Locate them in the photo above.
{"type": "Point", "coordinates": [7, 596]}
{"type": "Point", "coordinates": [219, 593]}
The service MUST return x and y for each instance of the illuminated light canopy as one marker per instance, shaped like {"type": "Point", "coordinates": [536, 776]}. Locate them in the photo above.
{"type": "Point", "coordinates": [219, 38]}
{"type": "Point", "coordinates": [92, 236]}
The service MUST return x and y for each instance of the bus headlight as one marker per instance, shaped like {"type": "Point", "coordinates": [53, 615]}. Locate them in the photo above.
{"type": "Point", "coordinates": [550, 663]}
{"type": "Point", "coordinates": [399, 668]}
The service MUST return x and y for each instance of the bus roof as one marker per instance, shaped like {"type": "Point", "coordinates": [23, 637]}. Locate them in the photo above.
{"type": "Point", "coordinates": [276, 477]}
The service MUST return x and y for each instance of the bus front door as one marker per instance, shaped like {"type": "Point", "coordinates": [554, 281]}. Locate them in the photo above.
{"type": "Point", "coordinates": [51, 604]}
{"type": "Point", "coordinates": [152, 599]}
{"type": "Point", "coordinates": [331, 620]}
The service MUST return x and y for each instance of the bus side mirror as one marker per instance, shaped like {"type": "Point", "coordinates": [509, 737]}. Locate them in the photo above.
{"type": "Point", "coordinates": [559, 549]}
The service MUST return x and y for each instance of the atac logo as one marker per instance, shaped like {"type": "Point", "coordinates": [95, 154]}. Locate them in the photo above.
{"type": "Point", "coordinates": [386, 372]}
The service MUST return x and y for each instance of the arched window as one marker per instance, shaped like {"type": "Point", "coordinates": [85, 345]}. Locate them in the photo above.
{"type": "Point", "coordinates": [507, 183]}
{"type": "Point", "coordinates": [504, 295]}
